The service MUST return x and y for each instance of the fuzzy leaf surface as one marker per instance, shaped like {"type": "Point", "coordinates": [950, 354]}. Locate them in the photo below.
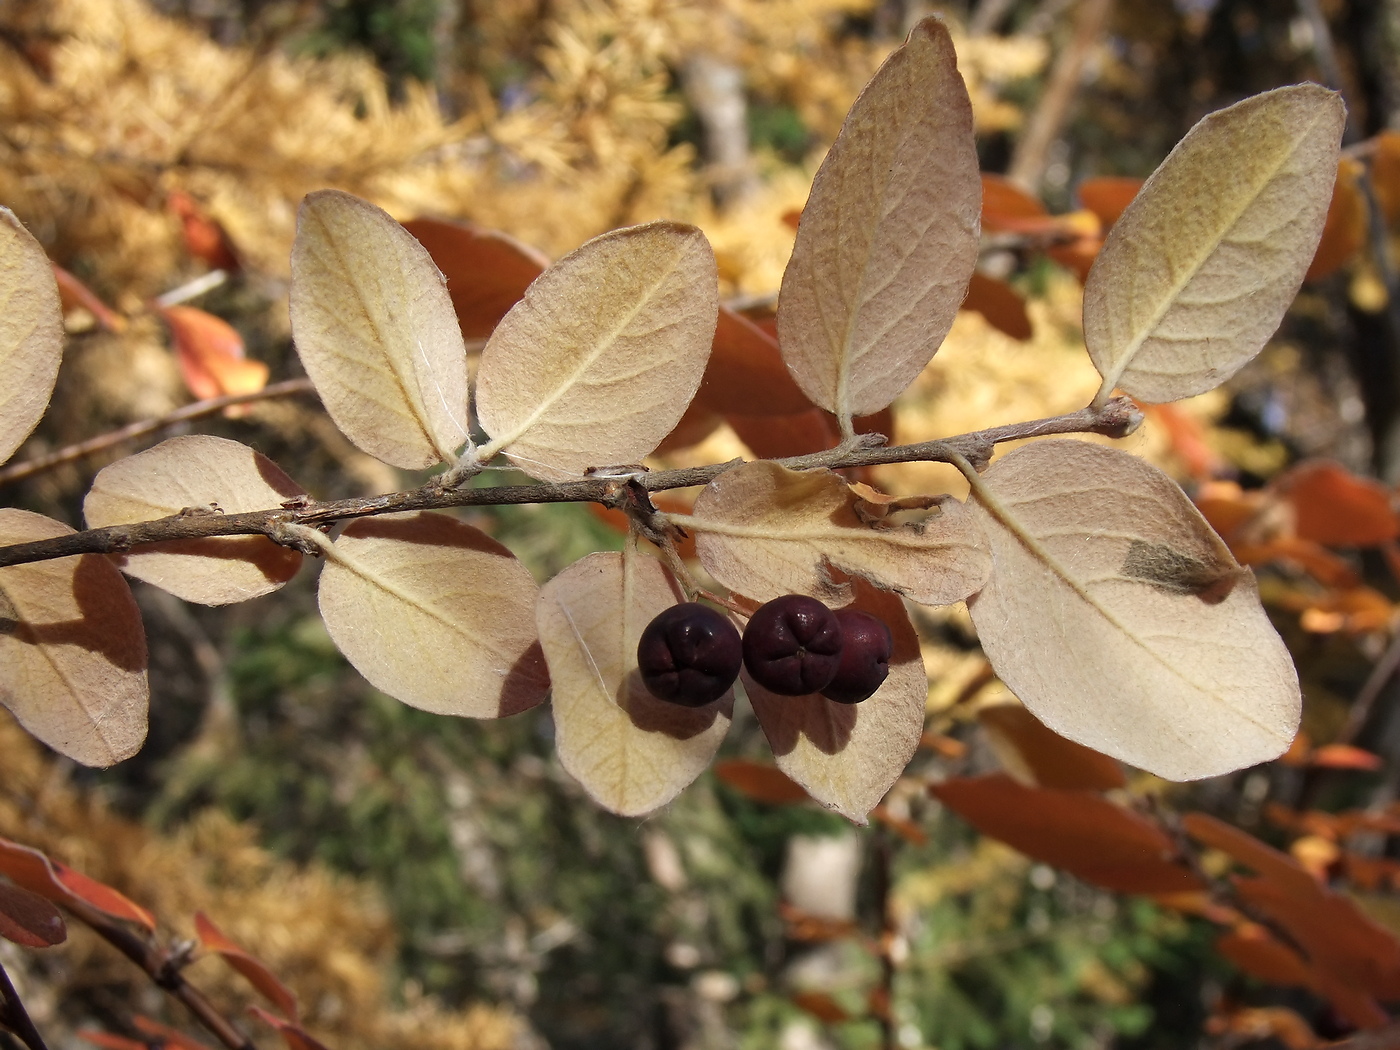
{"type": "Point", "coordinates": [1120, 618]}
{"type": "Point", "coordinates": [31, 333]}
{"type": "Point", "coordinates": [631, 752]}
{"type": "Point", "coordinates": [436, 614]}
{"type": "Point", "coordinates": [376, 331]}
{"type": "Point", "coordinates": [889, 236]}
{"type": "Point", "coordinates": [197, 471]}
{"type": "Point", "coordinates": [72, 649]}
{"type": "Point", "coordinates": [1198, 270]}
{"type": "Point", "coordinates": [847, 756]}
{"type": "Point", "coordinates": [764, 530]}
{"type": "Point", "coordinates": [600, 359]}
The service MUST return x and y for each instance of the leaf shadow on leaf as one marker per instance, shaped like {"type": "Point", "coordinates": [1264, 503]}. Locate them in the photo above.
{"type": "Point", "coordinates": [521, 691]}
{"type": "Point", "coordinates": [105, 626]}
{"type": "Point", "coordinates": [657, 716]}
{"type": "Point", "coordinates": [827, 724]}
{"type": "Point", "coordinates": [275, 562]}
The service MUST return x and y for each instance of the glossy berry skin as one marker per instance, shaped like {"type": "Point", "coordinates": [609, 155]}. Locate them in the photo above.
{"type": "Point", "coordinates": [865, 657]}
{"type": "Point", "coordinates": [689, 655]}
{"type": "Point", "coordinates": [792, 645]}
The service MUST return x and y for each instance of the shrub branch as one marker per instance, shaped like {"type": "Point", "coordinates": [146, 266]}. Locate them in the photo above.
{"type": "Point", "coordinates": [1117, 418]}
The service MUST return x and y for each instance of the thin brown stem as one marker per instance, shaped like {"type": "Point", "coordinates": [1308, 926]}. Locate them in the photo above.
{"type": "Point", "coordinates": [195, 410]}
{"type": "Point", "coordinates": [1118, 418]}
{"type": "Point", "coordinates": [164, 968]}
{"type": "Point", "coordinates": [14, 1017]}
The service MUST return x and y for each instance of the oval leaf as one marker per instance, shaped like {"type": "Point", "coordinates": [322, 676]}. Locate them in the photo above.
{"type": "Point", "coordinates": [72, 649]}
{"type": "Point", "coordinates": [764, 530]}
{"type": "Point", "coordinates": [436, 614]}
{"type": "Point", "coordinates": [600, 359]}
{"type": "Point", "coordinates": [1121, 620]}
{"type": "Point", "coordinates": [198, 471]}
{"type": "Point", "coordinates": [1077, 831]}
{"type": "Point", "coordinates": [1197, 272]}
{"type": "Point", "coordinates": [847, 756]}
{"type": "Point", "coordinates": [889, 236]}
{"type": "Point", "coordinates": [376, 332]}
{"type": "Point", "coordinates": [31, 333]}
{"type": "Point", "coordinates": [28, 919]}
{"type": "Point", "coordinates": [631, 752]}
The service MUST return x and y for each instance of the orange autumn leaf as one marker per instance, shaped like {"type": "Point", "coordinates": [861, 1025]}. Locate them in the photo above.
{"type": "Point", "coordinates": [1078, 255]}
{"type": "Point", "coordinates": [1355, 610]}
{"type": "Point", "coordinates": [74, 295]}
{"type": "Point", "coordinates": [487, 271]}
{"type": "Point", "coordinates": [1107, 195]}
{"type": "Point", "coordinates": [1277, 1023]}
{"type": "Point", "coordinates": [169, 1037]}
{"type": "Point", "coordinates": [760, 782]}
{"type": "Point", "coordinates": [1000, 304]}
{"type": "Point", "coordinates": [1344, 756]}
{"type": "Point", "coordinates": [1337, 508]}
{"type": "Point", "coordinates": [210, 354]}
{"type": "Point", "coordinates": [1329, 569]}
{"type": "Point", "coordinates": [33, 871]}
{"type": "Point", "coordinates": [1344, 231]}
{"type": "Point", "coordinates": [821, 1006]}
{"type": "Point", "coordinates": [1038, 756]}
{"type": "Point", "coordinates": [1385, 175]}
{"type": "Point", "coordinates": [1188, 440]}
{"type": "Point", "coordinates": [28, 919]}
{"type": "Point", "coordinates": [905, 829]}
{"type": "Point", "coordinates": [1260, 954]}
{"type": "Point", "coordinates": [1078, 831]}
{"type": "Point", "coordinates": [1006, 208]}
{"type": "Point", "coordinates": [745, 374]}
{"type": "Point", "coordinates": [253, 970]}
{"type": "Point", "coordinates": [203, 235]}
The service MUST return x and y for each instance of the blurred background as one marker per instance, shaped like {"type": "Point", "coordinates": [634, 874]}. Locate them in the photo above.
{"type": "Point", "coordinates": [432, 883]}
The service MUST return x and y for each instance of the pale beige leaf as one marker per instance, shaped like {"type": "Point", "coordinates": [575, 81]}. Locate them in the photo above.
{"type": "Point", "coordinates": [31, 333]}
{"type": "Point", "coordinates": [631, 752]}
{"type": "Point", "coordinates": [376, 332]}
{"type": "Point", "coordinates": [848, 756]}
{"type": "Point", "coordinates": [1122, 621]}
{"type": "Point", "coordinates": [764, 530]}
{"type": "Point", "coordinates": [889, 237]}
{"type": "Point", "coordinates": [207, 474]}
{"type": "Point", "coordinates": [436, 614]}
{"type": "Point", "coordinates": [600, 359]}
{"type": "Point", "coordinates": [1197, 272]}
{"type": "Point", "coordinates": [72, 649]}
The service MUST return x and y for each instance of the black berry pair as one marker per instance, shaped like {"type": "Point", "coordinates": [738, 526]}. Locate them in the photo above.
{"type": "Point", "coordinates": [793, 646]}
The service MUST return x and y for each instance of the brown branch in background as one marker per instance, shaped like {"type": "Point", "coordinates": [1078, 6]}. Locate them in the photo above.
{"type": "Point", "coordinates": [1118, 418]}
{"type": "Point", "coordinates": [163, 966]}
{"type": "Point", "coordinates": [883, 848]}
{"type": "Point", "coordinates": [196, 410]}
{"type": "Point", "coordinates": [14, 1017]}
{"type": "Point", "coordinates": [1028, 161]}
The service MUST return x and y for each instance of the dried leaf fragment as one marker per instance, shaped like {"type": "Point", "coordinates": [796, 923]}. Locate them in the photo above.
{"type": "Point", "coordinates": [1122, 621]}
{"type": "Point", "coordinates": [847, 756]}
{"type": "Point", "coordinates": [600, 359]}
{"type": "Point", "coordinates": [1198, 270]}
{"type": "Point", "coordinates": [889, 236]}
{"type": "Point", "coordinates": [436, 614]}
{"type": "Point", "coordinates": [764, 530]}
{"type": "Point", "coordinates": [375, 329]}
{"type": "Point", "coordinates": [631, 752]}
{"type": "Point", "coordinates": [72, 649]}
{"type": "Point", "coordinates": [197, 471]}
{"type": "Point", "coordinates": [31, 333]}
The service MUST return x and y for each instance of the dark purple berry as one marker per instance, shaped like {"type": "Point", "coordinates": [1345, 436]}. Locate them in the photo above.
{"type": "Point", "coordinates": [792, 645]}
{"type": "Point", "coordinates": [865, 657]}
{"type": "Point", "coordinates": [689, 655]}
